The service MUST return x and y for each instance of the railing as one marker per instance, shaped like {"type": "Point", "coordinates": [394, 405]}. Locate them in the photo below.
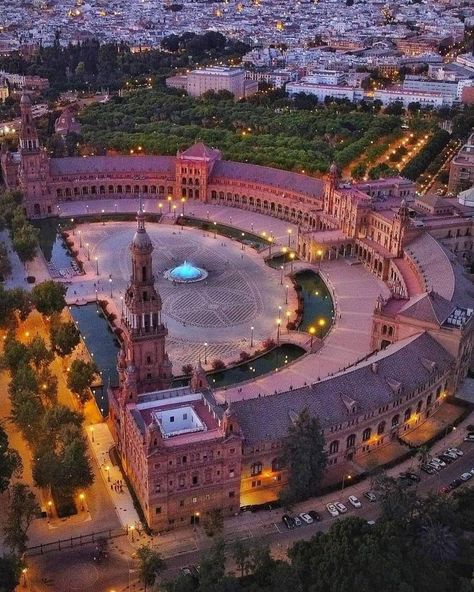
{"type": "Point", "coordinates": [77, 541]}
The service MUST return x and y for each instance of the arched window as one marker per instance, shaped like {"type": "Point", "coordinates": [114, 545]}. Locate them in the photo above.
{"type": "Point", "coordinates": [334, 447]}
{"type": "Point", "coordinates": [366, 434]}
{"type": "Point", "coordinates": [277, 464]}
{"type": "Point", "coordinates": [381, 428]}
{"type": "Point", "coordinates": [407, 414]}
{"type": "Point", "coordinates": [351, 441]}
{"type": "Point", "coordinates": [256, 469]}
{"type": "Point", "coordinates": [428, 400]}
{"type": "Point", "coordinates": [395, 420]}
{"type": "Point", "coordinates": [419, 406]}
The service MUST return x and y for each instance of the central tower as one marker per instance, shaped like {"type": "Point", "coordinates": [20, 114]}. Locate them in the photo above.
{"type": "Point", "coordinates": [143, 365]}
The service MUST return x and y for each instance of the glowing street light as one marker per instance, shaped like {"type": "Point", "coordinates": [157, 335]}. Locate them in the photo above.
{"type": "Point", "coordinates": [321, 323]}
{"type": "Point", "coordinates": [205, 352]}
{"type": "Point", "coordinates": [289, 236]}
{"type": "Point", "coordinates": [278, 322]}
{"type": "Point", "coordinates": [169, 203]}
{"type": "Point", "coordinates": [251, 336]}
{"type": "Point", "coordinates": [88, 252]}
{"type": "Point", "coordinates": [80, 238]}
{"type": "Point", "coordinates": [287, 287]}
{"type": "Point", "coordinates": [82, 498]}
{"type": "Point", "coordinates": [183, 200]}
{"type": "Point", "coordinates": [96, 265]}
{"type": "Point", "coordinates": [215, 229]}
{"type": "Point", "coordinates": [107, 468]}
{"type": "Point", "coordinates": [311, 331]}
{"type": "Point", "coordinates": [281, 275]}
{"type": "Point", "coordinates": [292, 258]}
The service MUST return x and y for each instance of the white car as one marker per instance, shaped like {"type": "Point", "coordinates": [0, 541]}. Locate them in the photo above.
{"type": "Point", "coordinates": [354, 501]}
{"type": "Point", "coordinates": [331, 508]}
{"type": "Point", "coordinates": [465, 476]}
{"type": "Point", "coordinates": [452, 455]}
{"type": "Point", "coordinates": [297, 521]}
{"type": "Point", "coordinates": [456, 451]}
{"type": "Point", "coordinates": [306, 518]}
{"type": "Point", "coordinates": [341, 508]}
{"type": "Point", "coordinates": [439, 461]}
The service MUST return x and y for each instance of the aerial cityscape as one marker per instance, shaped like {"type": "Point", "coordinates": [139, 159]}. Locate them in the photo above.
{"type": "Point", "coordinates": [236, 295]}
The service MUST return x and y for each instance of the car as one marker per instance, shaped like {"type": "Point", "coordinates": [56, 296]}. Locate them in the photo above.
{"type": "Point", "coordinates": [472, 472]}
{"type": "Point", "coordinates": [465, 476]}
{"type": "Point", "coordinates": [456, 451]}
{"type": "Point", "coordinates": [451, 455]}
{"type": "Point", "coordinates": [297, 521]}
{"type": "Point", "coordinates": [354, 501]}
{"type": "Point", "coordinates": [436, 459]}
{"type": "Point", "coordinates": [436, 466]}
{"type": "Point", "coordinates": [341, 508]}
{"type": "Point", "coordinates": [306, 518]}
{"type": "Point", "coordinates": [456, 483]}
{"type": "Point", "coordinates": [288, 521]}
{"type": "Point", "coordinates": [447, 458]}
{"type": "Point", "coordinates": [413, 476]}
{"type": "Point", "coordinates": [316, 516]}
{"type": "Point", "coordinates": [469, 438]}
{"type": "Point", "coordinates": [428, 469]}
{"type": "Point", "coordinates": [370, 495]}
{"type": "Point", "coordinates": [186, 571]}
{"type": "Point", "coordinates": [331, 508]}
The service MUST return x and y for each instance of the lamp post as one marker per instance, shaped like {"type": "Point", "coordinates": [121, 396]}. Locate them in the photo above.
{"type": "Point", "coordinates": [183, 199]}
{"type": "Point", "coordinates": [121, 301]}
{"type": "Point", "coordinates": [243, 244]}
{"type": "Point", "coordinates": [80, 238]}
{"type": "Point", "coordinates": [131, 529]}
{"type": "Point", "coordinates": [73, 229]}
{"type": "Point", "coordinates": [96, 265]}
{"type": "Point", "coordinates": [24, 571]}
{"type": "Point", "coordinates": [320, 255]}
{"type": "Point", "coordinates": [321, 324]}
{"type": "Point", "coordinates": [215, 229]}
{"type": "Point", "coordinates": [270, 240]}
{"type": "Point", "coordinates": [103, 219]}
{"type": "Point", "coordinates": [278, 330]}
{"type": "Point", "coordinates": [87, 209]}
{"type": "Point", "coordinates": [169, 203]}
{"type": "Point", "coordinates": [110, 282]}
{"type": "Point", "coordinates": [289, 237]}
{"type": "Point", "coordinates": [281, 275]}
{"type": "Point", "coordinates": [292, 258]}
{"type": "Point", "coordinates": [115, 207]}
{"type": "Point", "coordinates": [82, 497]}
{"type": "Point", "coordinates": [92, 434]}
{"type": "Point", "coordinates": [251, 336]}
{"type": "Point", "coordinates": [160, 208]}
{"type": "Point", "coordinates": [50, 509]}
{"type": "Point", "coordinates": [344, 477]}
{"type": "Point", "coordinates": [311, 331]}
{"type": "Point", "coordinates": [279, 312]}
{"type": "Point", "coordinates": [205, 352]}
{"type": "Point", "coordinates": [174, 211]}
{"type": "Point", "coordinates": [287, 287]}
{"type": "Point", "coordinates": [88, 252]}
{"type": "Point", "coordinates": [207, 214]}
{"type": "Point", "coordinates": [107, 468]}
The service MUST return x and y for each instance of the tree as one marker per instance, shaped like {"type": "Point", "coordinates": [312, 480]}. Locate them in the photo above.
{"type": "Point", "coordinates": [9, 573]}
{"type": "Point", "coordinates": [21, 511]}
{"type": "Point", "coordinates": [15, 353]}
{"type": "Point", "coordinates": [76, 469]}
{"type": "Point", "coordinates": [150, 564]}
{"type": "Point", "coordinates": [64, 336]}
{"type": "Point", "coordinates": [305, 458]}
{"type": "Point", "coordinates": [80, 378]}
{"type": "Point", "coordinates": [49, 297]}
{"type": "Point", "coordinates": [358, 171]}
{"type": "Point", "coordinates": [10, 461]}
{"type": "Point", "coordinates": [39, 354]}
{"type": "Point", "coordinates": [48, 386]}
{"type": "Point", "coordinates": [241, 554]}
{"type": "Point", "coordinates": [25, 242]}
{"type": "Point", "coordinates": [212, 569]}
{"type": "Point", "coordinates": [213, 522]}
{"type": "Point", "coordinates": [5, 265]}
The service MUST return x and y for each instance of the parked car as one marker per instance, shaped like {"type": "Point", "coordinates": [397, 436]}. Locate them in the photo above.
{"type": "Point", "coordinates": [316, 516]}
{"type": "Point", "coordinates": [455, 483]}
{"type": "Point", "coordinates": [472, 472]}
{"type": "Point", "coordinates": [465, 476]}
{"type": "Point", "coordinates": [306, 518]}
{"type": "Point", "coordinates": [186, 571]}
{"type": "Point", "coordinates": [456, 451]}
{"type": "Point", "coordinates": [354, 501]}
{"type": "Point", "coordinates": [297, 520]}
{"type": "Point", "coordinates": [469, 438]}
{"type": "Point", "coordinates": [288, 521]}
{"type": "Point", "coordinates": [427, 469]}
{"type": "Point", "coordinates": [341, 508]}
{"type": "Point", "coordinates": [451, 455]}
{"type": "Point", "coordinates": [435, 466]}
{"type": "Point", "coordinates": [370, 495]}
{"type": "Point", "coordinates": [413, 476]}
{"type": "Point", "coordinates": [331, 508]}
{"type": "Point", "coordinates": [436, 459]}
{"type": "Point", "coordinates": [447, 458]}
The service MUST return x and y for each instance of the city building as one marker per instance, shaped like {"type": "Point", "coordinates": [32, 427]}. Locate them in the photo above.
{"type": "Point", "coordinates": [198, 82]}
{"type": "Point", "coordinates": [67, 123]}
{"type": "Point", "coordinates": [391, 95]}
{"type": "Point", "coordinates": [461, 171]}
{"type": "Point", "coordinates": [321, 91]}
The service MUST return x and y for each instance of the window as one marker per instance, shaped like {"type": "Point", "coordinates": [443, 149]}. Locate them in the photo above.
{"type": "Point", "coordinates": [366, 434]}
{"type": "Point", "coordinates": [350, 441]}
{"type": "Point", "coordinates": [419, 406]}
{"type": "Point", "coordinates": [158, 510]}
{"type": "Point", "coordinates": [334, 447]}
{"type": "Point", "coordinates": [231, 493]}
{"type": "Point", "coordinates": [181, 503]}
{"type": "Point", "coordinates": [428, 400]}
{"type": "Point", "coordinates": [256, 469]}
{"type": "Point", "coordinates": [381, 428]}
{"type": "Point", "coordinates": [407, 414]}
{"type": "Point", "coordinates": [195, 479]}
{"type": "Point", "coordinates": [171, 418]}
{"type": "Point", "coordinates": [144, 273]}
{"type": "Point", "coordinates": [395, 420]}
{"type": "Point", "coordinates": [157, 487]}
{"type": "Point", "coordinates": [277, 464]}
{"type": "Point", "coordinates": [231, 473]}
{"type": "Point", "coordinates": [195, 499]}
{"type": "Point", "coordinates": [184, 459]}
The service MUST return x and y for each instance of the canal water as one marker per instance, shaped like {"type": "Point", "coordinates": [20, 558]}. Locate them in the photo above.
{"type": "Point", "coordinates": [317, 302]}
{"type": "Point", "coordinates": [102, 344]}
{"type": "Point", "coordinates": [52, 244]}
{"type": "Point", "coordinates": [247, 238]}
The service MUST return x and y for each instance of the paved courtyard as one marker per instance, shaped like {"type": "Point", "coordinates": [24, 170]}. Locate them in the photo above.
{"type": "Point", "coordinates": [239, 292]}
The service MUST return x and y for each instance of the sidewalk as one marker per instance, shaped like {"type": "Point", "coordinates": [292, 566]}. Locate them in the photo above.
{"type": "Point", "coordinates": [101, 442]}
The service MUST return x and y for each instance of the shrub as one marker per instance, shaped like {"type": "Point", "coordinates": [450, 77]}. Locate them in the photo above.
{"type": "Point", "coordinates": [187, 368]}
{"type": "Point", "coordinates": [218, 364]}
{"type": "Point", "coordinates": [268, 343]}
{"type": "Point", "coordinates": [244, 356]}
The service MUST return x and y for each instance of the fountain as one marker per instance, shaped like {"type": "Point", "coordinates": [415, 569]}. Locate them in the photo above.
{"type": "Point", "coordinates": [186, 273]}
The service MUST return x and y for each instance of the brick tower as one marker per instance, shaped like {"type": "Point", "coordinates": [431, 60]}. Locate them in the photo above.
{"type": "Point", "coordinates": [34, 167]}
{"type": "Point", "coordinates": [143, 363]}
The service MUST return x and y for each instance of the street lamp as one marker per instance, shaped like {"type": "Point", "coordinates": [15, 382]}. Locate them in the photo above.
{"type": "Point", "coordinates": [207, 214]}
{"type": "Point", "coordinates": [183, 199]}
{"type": "Point", "coordinates": [243, 244]}
{"type": "Point", "coordinates": [270, 240]}
{"type": "Point", "coordinates": [289, 237]}
{"type": "Point", "coordinates": [344, 477]}
{"type": "Point", "coordinates": [24, 571]}
{"type": "Point", "coordinates": [121, 301]}
{"type": "Point", "coordinates": [72, 222]}
{"type": "Point", "coordinates": [174, 211]}
{"type": "Point", "coordinates": [96, 265]}
{"type": "Point", "coordinates": [82, 497]}
{"type": "Point", "coordinates": [321, 324]}
{"type": "Point", "coordinates": [107, 468]}
{"type": "Point", "coordinates": [80, 238]}
{"type": "Point", "coordinates": [50, 508]}
{"type": "Point", "coordinates": [311, 331]}
{"type": "Point", "coordinates": [110, 282]}
{"type": "Point", "coordinates": [215, 229]}
{"type": "Point", "coordinates": [92, 434]}
{"type": "Point", "coordinates": [279, 312]}
{"type": "Point", "coordinates": [205, 352]}
{"type": "Point", "coordinates": [281, 275]}
{"type": "Point", "coordinates": [320, 254]}
{"type": "Point", "coordinates": [132, 528]}
{"type": "Point", "coordinates": [103, 219]}
{"type": "Point", "coordinates": [115, 207]}
{"type": "Point", "coordinates": [88, 252]}
{"type": "Point", "coordinates": [251, 336]}
{"type": "Point", "coordinates": [169, 203]}
{"type": "Point", "coordinates": [292, 258]}
{"type": "Point", "coordinates": [278, 330]}
{"type": "Point", "coordinates": [287, 287]}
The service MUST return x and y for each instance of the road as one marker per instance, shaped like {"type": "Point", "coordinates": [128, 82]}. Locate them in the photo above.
{"type": "Point", "coordinates": [114, 573]}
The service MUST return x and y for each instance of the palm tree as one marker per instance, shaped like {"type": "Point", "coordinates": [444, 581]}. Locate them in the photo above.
{"type": "Point", "coordinates": [438, 542]}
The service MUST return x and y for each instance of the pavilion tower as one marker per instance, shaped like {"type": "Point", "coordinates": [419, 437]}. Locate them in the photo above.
{"type": "Point", "coordinates": [143, 363]}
